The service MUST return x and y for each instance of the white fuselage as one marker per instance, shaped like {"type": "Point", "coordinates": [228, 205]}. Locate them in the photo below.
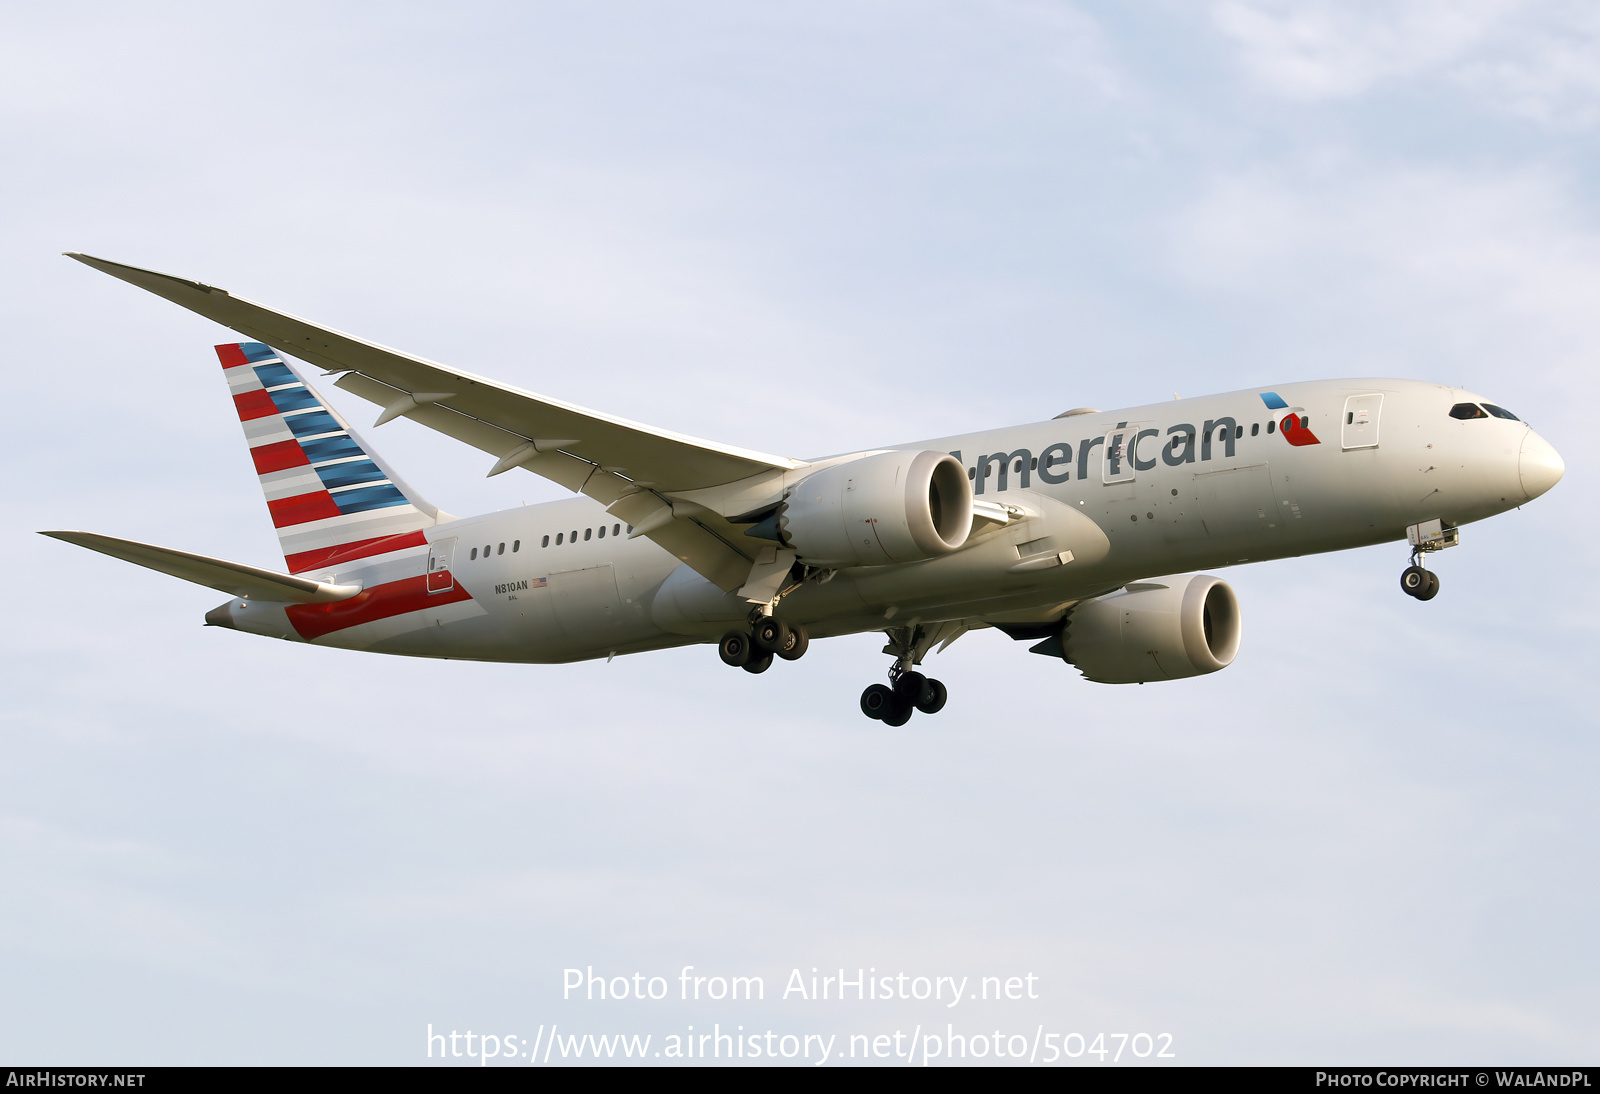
{"type": "Point", "coordinates": [1146, 491]}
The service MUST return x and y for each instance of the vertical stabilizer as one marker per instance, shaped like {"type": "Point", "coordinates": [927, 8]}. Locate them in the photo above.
{"type": "Point", "coordinates": [332, 499]}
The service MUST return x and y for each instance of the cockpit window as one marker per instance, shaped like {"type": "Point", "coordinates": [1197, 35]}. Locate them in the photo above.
{"type": "Point", "coordinates": [1501, 412]}
{"type": "Point", "coordinates": [1467, 410]}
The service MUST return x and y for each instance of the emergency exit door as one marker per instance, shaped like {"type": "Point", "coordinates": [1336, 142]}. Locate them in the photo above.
{"type": "Point", "coordinates": [1360, 426]}
{"type": "Point", "coordinates": [440, 579]}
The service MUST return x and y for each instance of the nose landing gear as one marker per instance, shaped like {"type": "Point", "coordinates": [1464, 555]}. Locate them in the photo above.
{"type": "Point", "coordinates": [1425, 538]}
{"type": "Point", "coordinates": [1417, 582]}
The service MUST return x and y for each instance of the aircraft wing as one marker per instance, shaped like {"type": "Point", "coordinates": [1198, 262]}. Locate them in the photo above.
{"type": "Point", "coordinates": [624, 465]}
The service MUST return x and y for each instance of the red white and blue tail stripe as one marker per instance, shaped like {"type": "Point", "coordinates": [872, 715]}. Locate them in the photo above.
{"type": "Point", "coordinates": [332, 499]}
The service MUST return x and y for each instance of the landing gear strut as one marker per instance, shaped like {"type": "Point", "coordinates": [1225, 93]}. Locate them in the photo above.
{"type": "Point", "coordinates": [1415, 581]}
{"type": "Point", "coordinates": [908, 690]}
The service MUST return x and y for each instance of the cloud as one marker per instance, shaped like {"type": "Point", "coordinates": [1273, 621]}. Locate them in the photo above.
{"type": "Point", "coordinates": [1537, 60]}
{"type": "Point", "coordinates": [1336, 50]}
{"type": "Point", "coordinates": [1547, 70]}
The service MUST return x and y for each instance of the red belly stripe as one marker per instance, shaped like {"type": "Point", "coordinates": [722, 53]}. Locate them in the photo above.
{"type": "Point", "coordinates": [312, 621]}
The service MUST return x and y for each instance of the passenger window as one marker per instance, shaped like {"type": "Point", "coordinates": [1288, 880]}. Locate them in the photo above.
{"type": "Point", "coordinates": [1033, 464]}
{"type": "Point", "coordinates": [588, 534]}
{"type": "Point", "coordinates": [1501, 412]}
{"type": "Point", "coordinates": [501, 549]}
{"type": "Point", "coordinates": [1272, 426]}
{"type": "Point", "coordinates": [1305, 421]}
{"type": "Point", "coordinates": [602, 531]}
{"type": "Point", "coordinates": [574, 536]}
{"type": "Point", "coordinates": [1255, 429]}
{"type": "Point", "coordinates": [546, 542]}
{"type": "Point", "coordinates": [972, 472]}
{"type": "Point", "coordinates": [616, 529]}
{"type": "Point", "coordinates": [630, 529]}
{"type": "Point", "coordinates": [474, 557]}
{"type": "Point", "coordinates": [1465, 411]}
{"type": "Point", "coordinates": [1017, 470]}
{"type": "Point", "coordinates": [559, 537]}
{"type": "Point", "coordinates": [1238, 431]}
{"type": "Point", "coordinates": [516, 545]}
{"type": "Point", "coordinates": [485, 550]}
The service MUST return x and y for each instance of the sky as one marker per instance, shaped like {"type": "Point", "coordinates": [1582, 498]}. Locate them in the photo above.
{"type": "Point", "coordinates": [803, 229]}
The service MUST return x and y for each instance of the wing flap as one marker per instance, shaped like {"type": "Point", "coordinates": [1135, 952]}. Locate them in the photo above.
{"type": "Point", "coordinates": [233, 578]}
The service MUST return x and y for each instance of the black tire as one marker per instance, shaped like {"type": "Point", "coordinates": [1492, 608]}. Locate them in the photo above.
{"type": "Point", "coordinates": [1414, 581]}
{"type": "Point", "coordinates": [1433, 587]}
{"type": "Point", "coordinates": [876, 700]}
{"type": "Point", "coordinates": [758, 663]}
{"type": "Point", "coordinates": [795, 648]}
{"type": "Point", "coordinates": [934, 696]}
{"type": "Point", "coordinates": [771, 635]}
{"type": "Point", "coordinates": [909, 687]}
{"type": "Point", "coordinates": [734, 649]}
{"type": "Point", "coordinates": [898, 714]}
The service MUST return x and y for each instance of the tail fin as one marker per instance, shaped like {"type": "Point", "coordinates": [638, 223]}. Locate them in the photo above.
{"type": "Point", "coordinates": [332, 498]}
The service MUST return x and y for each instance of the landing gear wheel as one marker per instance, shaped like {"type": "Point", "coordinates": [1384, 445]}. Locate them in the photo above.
{"type": "Point", "coordinates": [795, 648]}
{"type": "Point", "coordinates": [908, 687]}
{"type": "Point", "coordinates": [1433, 587]}
{"type": "Point", "coordinates": [734, 649]}
{"type": "Point", "coordinates": [898, 714]}
{"type": "Point", "coordinates": [771, 635]}
{"type": "Point", "coordinates": [877, 700]}
{"type": "Point", "coordinates": [934, 695]}
{"type": "Point", "coordinates": [759, 664]}
{"type": "Point", "coordinates": [1414, 582]}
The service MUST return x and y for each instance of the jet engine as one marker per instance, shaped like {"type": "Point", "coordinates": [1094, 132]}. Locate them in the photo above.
{"type": "Point", "coordinates": [1163, 629]}
{"type": "Point", "coordinates": [879, 509]}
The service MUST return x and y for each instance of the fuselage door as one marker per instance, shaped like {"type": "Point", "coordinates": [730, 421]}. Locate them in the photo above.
{"type": "Point", "coordinates": [1360, 426]}
{"type": "Point", "coordinates": [440, 579]}
{"type": "Point", "coordinates": [587, 605]}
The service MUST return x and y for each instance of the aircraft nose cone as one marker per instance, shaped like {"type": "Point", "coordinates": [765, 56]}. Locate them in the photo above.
{"type": "Point", "coordinates": [1539, 465]}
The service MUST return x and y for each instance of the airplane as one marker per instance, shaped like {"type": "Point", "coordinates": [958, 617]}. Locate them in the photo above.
{"type": "Point", "coordinates": [1047, 532]}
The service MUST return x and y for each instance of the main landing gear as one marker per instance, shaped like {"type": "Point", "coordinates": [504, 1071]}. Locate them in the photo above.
{"type": "Point", "coordinates": [893, 703]}
{"type": "Point", "coordinates": [770, 637]}
{"type": "Point", "coordinates": [908, 690]}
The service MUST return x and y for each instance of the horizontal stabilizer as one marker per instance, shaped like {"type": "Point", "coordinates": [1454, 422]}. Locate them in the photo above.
{"type": "Point", "coordinates": [232, 578]}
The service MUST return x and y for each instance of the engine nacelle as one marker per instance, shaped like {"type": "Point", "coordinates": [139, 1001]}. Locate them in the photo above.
{"type": "Point", "coordinates": [878, 509]}
{"type": "Point", "coordinates": [1164, 629]}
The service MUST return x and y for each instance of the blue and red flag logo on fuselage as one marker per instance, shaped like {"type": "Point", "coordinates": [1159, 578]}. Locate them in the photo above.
{"type": "Point", "coordinates": [1293, 423]}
